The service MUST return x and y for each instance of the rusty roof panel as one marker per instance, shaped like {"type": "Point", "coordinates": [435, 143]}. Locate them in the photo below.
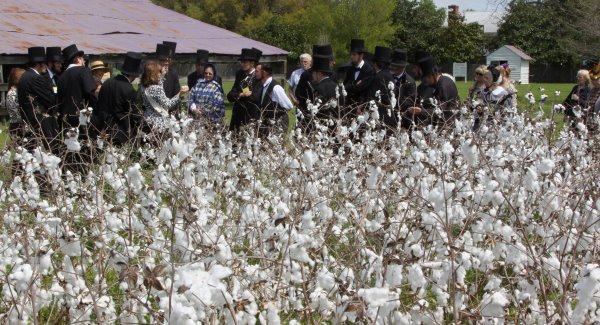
{"type": "Point", "coordinates": [112, 26]}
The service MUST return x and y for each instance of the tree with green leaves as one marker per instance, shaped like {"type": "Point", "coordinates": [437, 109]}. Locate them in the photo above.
{"type": "Point", "coordinates": [418, 25]}
{"type": "Point", "coordinates": [538, 29]}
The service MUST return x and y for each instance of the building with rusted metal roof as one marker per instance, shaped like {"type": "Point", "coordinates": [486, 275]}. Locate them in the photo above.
{"type": "Point", "coordinates": [108, 28]}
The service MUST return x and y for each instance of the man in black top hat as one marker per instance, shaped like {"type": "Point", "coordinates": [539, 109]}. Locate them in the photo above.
{"type": "Point", "coordinates": [201, 62]}
{"type": "Point", "coordinates": [423, 90]}
{"type": "Point", "coordinates": [118, 110]}
{"type": "Point", "coordinates": [440, 108]}
{"type": "Point", "coordinates": [171, 84]}
{"type": "Point", "coordinates": [244, 108]}
{"type": "Point", "coordinates": [36, 98]}
{"type": "Point", "coordinates": [358, 73]}
{"type": "Point", "coordinates": [405, 88]}
{"type": "Point", "coordinates": [76, 87]}
{"type": "Point", "coordinates": [54, 62]}
{"type": "Point", "coordinates": [305, 90]}
{"type": "Point", "coordinates": [379, 86]}
{"type": "Point", "coordinates": [324, 87]}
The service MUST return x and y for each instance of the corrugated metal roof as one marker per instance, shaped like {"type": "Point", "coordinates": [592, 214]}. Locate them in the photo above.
{"type": "Point", "coordinates": [112, 26]}
{"type": "Point", "coordinates": [519, 52]}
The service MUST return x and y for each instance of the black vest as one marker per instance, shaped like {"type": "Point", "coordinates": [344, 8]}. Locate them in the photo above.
{"type": "Point", "coordinates": [269, 108]}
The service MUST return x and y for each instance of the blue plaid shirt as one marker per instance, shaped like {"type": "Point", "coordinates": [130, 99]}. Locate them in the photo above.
{"type": "Point", "coordinates": [208, 98]}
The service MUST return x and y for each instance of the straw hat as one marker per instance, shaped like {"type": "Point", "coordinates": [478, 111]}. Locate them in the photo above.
{"type": "Point", "coordinates": [595, 72]}
{"type": "Point", "coordinates": [99, 65]}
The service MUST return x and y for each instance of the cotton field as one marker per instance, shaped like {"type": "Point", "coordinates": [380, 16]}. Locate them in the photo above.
{"type": "Point", "coordinates": [432, 227]}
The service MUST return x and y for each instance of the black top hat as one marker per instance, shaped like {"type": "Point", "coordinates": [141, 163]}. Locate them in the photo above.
{"type": "Point", "coordinates": [171, 45]}
{"type": "Point", "coordinates": [321, 63]}
{"type": "Point", "coordinates": [53, 53]}
{"type": "Point", "coordinates": [421, 54]}
{"type": "Point", "coordinates": [132, 65]}
{"type": "Point", "coordinates": [202, 56]}
{"type": "Point", "coordinates": [382, 54]}
{"type": "Point", "coordinates": [248, 55]}
{"type": "Point", "coordinates": [71, 52]}
{"type": "Point", "coordinates": [428, 66]}
{"type": "Point", "coordinates": [36, 54]}
{"type": "Point", "coordinates": [257, 53]}
{"type": "Point", "coordinates": [357, 45]}
{"type": "Point", "coordinates": [323, 50]}
{"type": "Point", "coordinates": [163, 52]}
{"type": "Point", "coordinates": [399, 57]}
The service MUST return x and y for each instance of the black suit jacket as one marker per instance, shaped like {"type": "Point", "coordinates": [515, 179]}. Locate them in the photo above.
{"type": "Point", "coordinates": [304, 90]}
{"type": "Point", "coordinates": [192, 79]}
{"type": "Point", "coordinates": [171, 84]}
{"type": "Point", "coordinates": [76, 90]}
{"type": "Point", "coordinates": [325, 91]}
{"type": "Point", "coordinates": [119, 109]}
{"type": "Point", "coordinates": [35, 97]}
{"type": "Point", "coordinates": [405, 90]}
{"type": "Point", "coordinates": [244, 108]}
{"type": "Point", "coordinates": [357, 88]}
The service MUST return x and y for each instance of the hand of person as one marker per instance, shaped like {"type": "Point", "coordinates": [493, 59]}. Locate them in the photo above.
{"type": "Point", "coordinates": [246, 94]}
{"type": "Point", "coordinates": [184, 89]}
{"type": "Point", "coordinates": [574, 97]}
{"type": "Point", "coordinates": [415, 110]}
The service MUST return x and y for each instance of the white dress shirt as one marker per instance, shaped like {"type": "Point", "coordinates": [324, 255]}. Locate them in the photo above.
{"type": "Point", "coordinates": [359, 66]}
{"type": "Point", "coordinates": [278, 95]}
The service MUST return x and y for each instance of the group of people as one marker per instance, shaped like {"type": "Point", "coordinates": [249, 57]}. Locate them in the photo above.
{"type": "Point", "coordinates": [53, 94]}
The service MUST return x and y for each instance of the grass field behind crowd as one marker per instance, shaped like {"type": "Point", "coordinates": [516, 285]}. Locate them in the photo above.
{"type": "Point", "coordinates": [537, 89]}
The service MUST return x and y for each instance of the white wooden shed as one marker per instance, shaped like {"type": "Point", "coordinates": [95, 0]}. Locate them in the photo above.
{"type": "Point", "coordinates": [517, 60]}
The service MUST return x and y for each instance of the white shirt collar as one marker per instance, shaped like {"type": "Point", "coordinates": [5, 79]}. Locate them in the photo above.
{"type": "Point", "coordinates": [34, 70]}
{"type": "Point", "coordinates": [72, 65]}
{"type": "Point", "coordinates": [266, 84]}
{"type": "Point", "coordinates": [360, 65]}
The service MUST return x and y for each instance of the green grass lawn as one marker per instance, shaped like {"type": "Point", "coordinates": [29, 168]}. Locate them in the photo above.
{"type": "Point", "coordinates": [463, 87]}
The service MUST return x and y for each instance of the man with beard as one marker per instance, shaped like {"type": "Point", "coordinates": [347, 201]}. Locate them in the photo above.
{"type": "Point", "coordinates": [118, 107]}
{"type": "Point", "coordinates": [54, 62]}
{"type": "Point", "coordinates": [171, 84]}
{"type": "Point", "coordinates": [305, 89]}
{"type": "Point", "coordinates": [272, 101]}
{"type": "Point", "coordinates": [37, 100]}
{"type": "Point", "coordinates": [405, 89]}
{"type": "Point", "coordinates": [440, 108]}
{"type": "Point", "coordinates": [358, 74]}
{"type": "Point", "coordinates": [244, 109]}
{"type": "Point", "coordinates": [76, 87]}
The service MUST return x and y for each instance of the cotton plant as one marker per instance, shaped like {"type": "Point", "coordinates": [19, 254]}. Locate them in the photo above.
{"type": "Point", "coordinates": [420, 227]}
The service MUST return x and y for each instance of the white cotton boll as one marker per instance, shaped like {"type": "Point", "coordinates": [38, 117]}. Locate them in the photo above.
{"type": "Point", "coordinates": [165, 214]}
{"type": "Point", "coordinates": [493, 305]}
{"type": "Point", "coordinates": [294, 164]}
{"type": "Point", "coordinates": [393, 275]}
{"type": "Point", "coordinates": [309, 158]}
{"type": "Point", "coordinates": [545, 166]}
{"type": "Point", "coordinates": [373, 177]}
{"type": "Point", "coordinates": [531, 180]}
{"type": "Point", "coordinates": [21, 275]}
{"type": "Point", "coordinates": [71, 140]}
{"type": "Point", "coordinates": [587, 289]}
{"type": "Point", "coordinates": [416, 278]}
{"type": "Point", "coordinates": [417, 250]}
{"type": "Point", "coordinates": [374, 297]}
{"type": "Point", "coordinates": [493, 284]}
{"type": "Point", "coordinates": [326, 280]}
{"type": "Point", "coordinates": [469, 152]}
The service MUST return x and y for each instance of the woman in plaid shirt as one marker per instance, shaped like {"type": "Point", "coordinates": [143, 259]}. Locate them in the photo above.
{"type": "Point", "coordinates": [207, 98]}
